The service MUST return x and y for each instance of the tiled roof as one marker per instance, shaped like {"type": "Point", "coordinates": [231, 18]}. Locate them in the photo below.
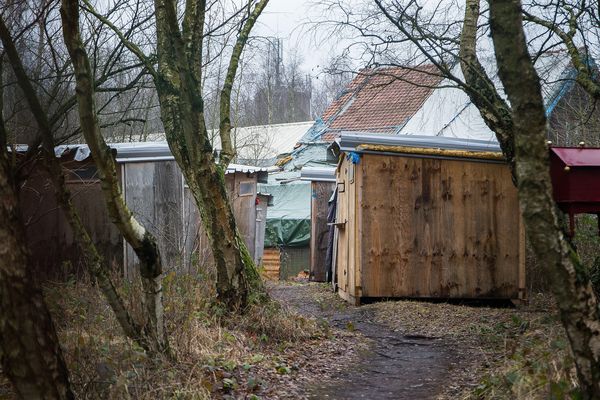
{"type": "Point", "coordinates": [380, 100]}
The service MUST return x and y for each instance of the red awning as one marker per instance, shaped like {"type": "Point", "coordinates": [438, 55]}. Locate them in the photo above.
{"type": "Point", "coordinates": [578, 156]}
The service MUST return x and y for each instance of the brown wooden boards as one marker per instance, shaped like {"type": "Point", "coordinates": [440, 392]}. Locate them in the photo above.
{"type": "Point", "coordinates": [271, 263]}
{"type": "Point", "coordinates": [243, 197]}
{"type": "Point", "coordinates": [320, 195]}
{"type": "Point", "coordinates": [342, 229]}
{"type": "Point", "coordinates": [429, 227]}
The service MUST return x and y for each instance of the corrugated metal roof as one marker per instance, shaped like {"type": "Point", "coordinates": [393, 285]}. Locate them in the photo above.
{"type": "Point", "coordinates": [578, 156]}
{"type": "Point", "coordinates": [151, 151]}
{"type": "Point", "coordinates": [259, 141]}
{"type": "Point", "coordinates": [351, 141]}
{"type": "Point", "coordinates": [126, 152]}
{"type": "Point", "coordinates": [319, 174]}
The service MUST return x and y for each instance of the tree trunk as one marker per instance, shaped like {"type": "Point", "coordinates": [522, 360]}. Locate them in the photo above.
{"type": "Point", "coordinates": [481, 89]}
{"type": "Point", "coordinates": [29, 350]}
{"type": "Point", "coordinates": [141, 240]}
{"type": "Point", "coordinates": [95, 263]}
{"type": "Point", "coordinates": [569, 278]}
{"type": "Point", "coordinates": [236, 273]}
{"type": "Point", "coordinates": [179, 85]}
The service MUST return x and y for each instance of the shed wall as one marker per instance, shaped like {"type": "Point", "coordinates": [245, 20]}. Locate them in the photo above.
{"type": "Point", "coordinates": [261, 223]}
{"type": "Point", "coordinates": [154, 193]}
{"type": "Point", "coordinates": [321, 193]}
{"type": "Point", "coordinates": [55, 253]}
{"type": "Point", "coordinates": [432, 228]}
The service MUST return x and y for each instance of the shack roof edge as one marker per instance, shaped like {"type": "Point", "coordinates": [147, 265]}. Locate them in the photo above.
{"type": "Point", "coordinates": [352, 142]}
{"type": "Point", "coordinates": [318, 174]}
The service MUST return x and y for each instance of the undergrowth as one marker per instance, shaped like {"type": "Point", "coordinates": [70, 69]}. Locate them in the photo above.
{"type": "Point", "coordinates": [532, 359]}
{"type": "Point", "coordinates": [587, 240]}
{"type": "Point", "coordinates": [504, 353]}
{"type": "Point", "coordinates": [217, 354]}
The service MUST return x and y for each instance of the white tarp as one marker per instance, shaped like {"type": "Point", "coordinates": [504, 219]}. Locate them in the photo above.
{"type": "Point", "coordinates": [449, 112]}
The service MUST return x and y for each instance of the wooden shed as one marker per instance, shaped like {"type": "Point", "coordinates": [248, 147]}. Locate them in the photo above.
{"type": "Point", "coordinates": [155, 191]}
{"type": "Point", "coordinates": [322, 181]}
{"type": "Point", "coordinates": [426, 217]}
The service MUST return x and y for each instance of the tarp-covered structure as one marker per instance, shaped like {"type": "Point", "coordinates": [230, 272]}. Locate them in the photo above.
{"type": "Point", "coordinates": [288, 219]}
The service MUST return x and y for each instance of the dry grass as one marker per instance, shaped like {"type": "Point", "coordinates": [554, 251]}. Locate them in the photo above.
{"type": "Point", "coordinates": [269, 352]}
{"type": "Point", "coordinates": [504, 353]}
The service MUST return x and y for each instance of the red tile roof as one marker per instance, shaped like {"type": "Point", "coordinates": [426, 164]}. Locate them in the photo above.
{"type": "Point", "coordinates": [380, 100]}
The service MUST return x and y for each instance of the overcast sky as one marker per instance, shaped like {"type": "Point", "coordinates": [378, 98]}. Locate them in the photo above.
{"type": "Point", "coordinates": [288, 19]}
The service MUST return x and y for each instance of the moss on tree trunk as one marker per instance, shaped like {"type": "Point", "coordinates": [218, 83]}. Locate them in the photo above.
{"type": "Point", "coordinates": [568, 277]}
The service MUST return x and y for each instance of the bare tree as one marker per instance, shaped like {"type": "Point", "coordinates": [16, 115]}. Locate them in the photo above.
{"type": "Point", "coordinates": [330, 84]}
{"type": "Point", "coordinates": [96, 265]}
{"type": "Point", "coordinates": [178, 76]}
{"type": "Point", "coordinates": [407, 33]}
{"type": "Point", "coordinates": [570, 278]}
{"type": "Point", "coordinates": [141, 240]}
{"type": "Point", "coordinates": [275, 89]}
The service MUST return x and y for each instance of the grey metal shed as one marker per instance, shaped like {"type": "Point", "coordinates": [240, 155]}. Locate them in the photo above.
{"type": "Point", "coordinates": [155, 191]}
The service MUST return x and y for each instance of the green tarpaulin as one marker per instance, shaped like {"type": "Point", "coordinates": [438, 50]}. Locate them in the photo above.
{"type": "Point", "coordinates": [288, 219]}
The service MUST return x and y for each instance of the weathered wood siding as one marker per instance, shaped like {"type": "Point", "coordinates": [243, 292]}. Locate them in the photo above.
{"type": "Point", "coordinates": [348, 221]}
{"type": "Point", "coordinates": [261, 223]}
{"type": "Point", "coordinates": [244, 206]}
{"type": "Point", "coordinates": [154, 193]}
{"type": "Point", "coordinates": [55, 253]}
{"type": "Point", "coordinates": [430, 227]}
{"type": "Point", "coordinates": [244, 211]}
{"type": "Point", "coordinates": [320, 195]}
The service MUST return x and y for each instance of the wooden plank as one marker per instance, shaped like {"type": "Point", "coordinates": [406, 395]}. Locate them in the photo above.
{"type": "Point", "coordinates": [168, 214]}
{"type": "Point", "coordinates": [351, 228]}
{"type": "Point", "coordinates": [139, 196]}
{"type": "Point", "coordinates": [271, 263]}
{"type": "Point", "coordinates": [244, 208]}
{"type": "Point", "coordinates": [522, 260]}
{"type": "Point", "coordinates": [438, 228]}
{"type": "Point", "coordinates": [261, 223]}
{"type": "Point", "coordinates": [358, 229]}
{"type": "Point", "coordinates": [193, 254]}
{"type": "Point", "coordinates": [342, 232]}
{"type": "Point", "coordinates": [354, 300]}
{"type": "Point", "coordinates": [320, 195]}
{"type": "Point", "coordinates": [153, 192]}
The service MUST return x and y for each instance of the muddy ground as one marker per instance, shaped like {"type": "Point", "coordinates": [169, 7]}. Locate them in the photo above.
{"type": "Point", "coordinates": [394, 366]}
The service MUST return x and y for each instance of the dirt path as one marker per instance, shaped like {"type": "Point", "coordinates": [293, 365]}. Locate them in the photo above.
{"type": "Point", "coordinates": [395, 366]}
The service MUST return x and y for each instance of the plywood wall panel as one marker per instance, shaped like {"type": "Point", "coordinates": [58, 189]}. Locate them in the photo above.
{"type": "Point", "coordinates": [438, 228]}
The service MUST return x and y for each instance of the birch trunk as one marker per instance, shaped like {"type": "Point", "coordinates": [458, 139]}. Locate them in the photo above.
{"type": "Point", "coordinates": [179, 86]}
{"type": "Point", "coordinates": [141, 240]}
{"type": "Point", "coordinates": [95, 263]}
{"type": "Point", "coordinates": [481, 90]}
{"type": "Point", "coordinates": [569, 278]}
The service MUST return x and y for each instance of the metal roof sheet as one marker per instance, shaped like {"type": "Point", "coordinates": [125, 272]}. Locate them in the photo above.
{"type": "Point", "coordinates": [319, 174]}
{"type": "Point", "coordinates": [152, 151]}
{"type": "Point", "coordinates": [351, 141]}
{"type": "Point", "coordinates": [448, 111]}
{"type": "Point", "coordinates": [578, 156]}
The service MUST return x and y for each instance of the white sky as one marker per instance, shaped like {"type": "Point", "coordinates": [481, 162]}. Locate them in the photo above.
{"type": "Point", "coordinates": [288, 20]}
